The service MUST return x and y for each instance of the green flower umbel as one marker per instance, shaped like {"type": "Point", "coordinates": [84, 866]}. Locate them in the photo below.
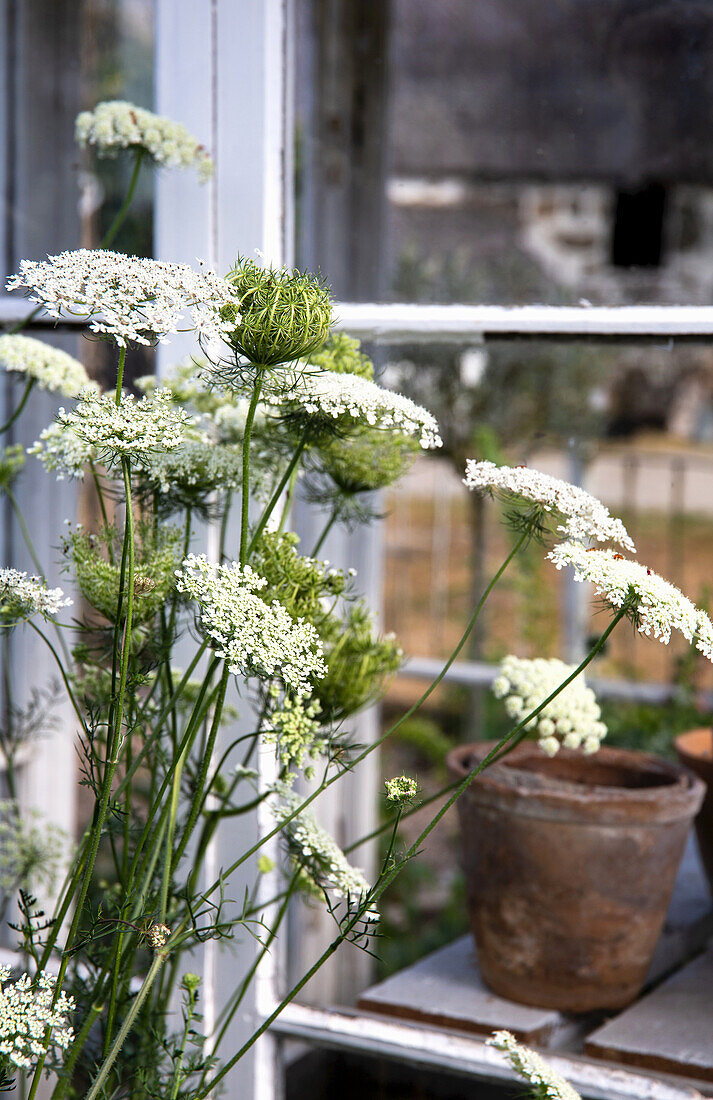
{"type": "Point", "coordinates": [284, 314]}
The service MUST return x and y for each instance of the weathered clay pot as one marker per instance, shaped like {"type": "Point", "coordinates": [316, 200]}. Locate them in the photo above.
{"type": "Point", "coordinates": [695, 750]}
{"type": "Point", "coordinates": [570, 863]}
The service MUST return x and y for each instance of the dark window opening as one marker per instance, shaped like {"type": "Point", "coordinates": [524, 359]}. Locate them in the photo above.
{"type": "Point", "coordinates": [638, 226]}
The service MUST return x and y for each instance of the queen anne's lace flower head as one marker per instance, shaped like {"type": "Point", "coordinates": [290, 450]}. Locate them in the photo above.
{"type": "Point", "coordinates": [22, 596]}
{"type": "Point", "coordinates": [255, 638]}
{"type": "Point", "coordinates": [335, 396]}
{"type": "Point", "coordinates": [133, 429]}
{"type": "Point", "coordinates": [584, 516]}
{"type": "Point", "coordinates": [316, 852]}
{"type": "Point", "coordinates": [572, 718]}
{"type": "Point", "coordinates": [657, 606]}
{"type": "Point", "coordinates": [116, 125]}
{"type": "Point", "coordinates": [26, 1012]}
{"type": "Point", "coordinates": [294, 727]}
{"type": "Point", "coordinates": [128, 298]}
{"type": "Point", "coordinates": [31, 849]}
{"type": "Point", "coordinates": [51, 368]}
{"type": "Point", "coordinates": [547, 1084]}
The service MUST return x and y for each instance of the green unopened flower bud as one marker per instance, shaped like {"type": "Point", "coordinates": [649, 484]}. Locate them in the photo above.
{"type": "Point", "coordinates": [12, 459]}
{"type": "Point", "coordinates": [265, 865]}
{"type": "Point", "coordinates": [191, 982]}
{"type": "Point", "coordinates": [343, 355]}
{"type": "Point", "coordinates": [283, 314]}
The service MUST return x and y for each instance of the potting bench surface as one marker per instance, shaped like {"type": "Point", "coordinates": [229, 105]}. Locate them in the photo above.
{"type": "Point", "coordinates": [438, 1011]}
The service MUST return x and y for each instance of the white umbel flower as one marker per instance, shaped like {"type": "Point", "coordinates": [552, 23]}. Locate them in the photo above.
{"type": "Point", "coordinates": [584, 516]}
{"type": "Point", "coordinates": [255, 638]}
{"type": "Point", "coordinates": [22, 596]}
{"type": "Point", "coordinates": [116, 125]}
{"type": "Point", "coordinates": [572, 718]}
{"type": "Point", "coordinates": [316, 852]}
{"type": "Point", "coordinates": [26, 1011]}
{"type": "Point", "coordinates": [50, 368]}
{"type": "Point", "coordinates": [62, 452]}
{"type": "Point", "coordinates": [128, 298]}
{"type": "Point", "coordinates": [547, 1084]}
{"type": "Point", "coordinates": [133, 429]}
{"type": "Point", "coordinates": [337, 395]}
{"type": "Point", "coordinates": [658, 607]}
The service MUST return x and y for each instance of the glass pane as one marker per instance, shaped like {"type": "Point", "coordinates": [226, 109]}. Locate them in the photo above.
{"type": "Point", "coordinates": [502, 151]}
{"type": "Point", "coordinates": [633, 424]}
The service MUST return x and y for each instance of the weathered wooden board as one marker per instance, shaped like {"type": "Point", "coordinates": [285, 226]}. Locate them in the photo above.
{"type": "Point", "coordinates": [446, 989]}
{"type": "Point", "coordinates": [670, 1029]}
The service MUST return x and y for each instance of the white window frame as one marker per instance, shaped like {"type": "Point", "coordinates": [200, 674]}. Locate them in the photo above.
{"type": "Point", "coordinates": [223, 67]}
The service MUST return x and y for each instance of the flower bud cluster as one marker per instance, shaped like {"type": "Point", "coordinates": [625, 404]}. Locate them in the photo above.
{"type": "Point", "coordinates": [26, 1012]}
{"type": "Point", "coordinates": [572, 718]}
{"type": "Point", "coordinates": [401, 790]}
{"type": "Point", "coordinates": [116, 125]}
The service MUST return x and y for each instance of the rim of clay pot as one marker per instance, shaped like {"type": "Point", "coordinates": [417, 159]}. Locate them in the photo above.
{"type": "Point", "coordinates": [695, 747]}
{"type": "Point", "coordinates": [623, 785]}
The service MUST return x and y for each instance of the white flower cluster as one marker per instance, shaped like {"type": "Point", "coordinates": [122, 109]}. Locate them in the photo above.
{"type": "Point", "coordinates": [132, 429]}
{"type": "Point", "coordinates": [585, 517]}
{"type": "Point", "coordinates": [51, 368]}
{"type": "Point", "coordinates": [548, 1085]}
{"type": "Point", "coordinates": [571, 719]}
{"type": "Point", "coordinates": [294, 727]}
{"type": "Point", "coordinates": [31, 849]}
{"type": "Point", "coordinates": [402, 789]}
{"type": "Point", "coordinates": [116, 125]}
{"type": "Point", "coordinates": [316, 852]}
{"type": "Point", "coordinates": [61, 451]}
{"type": "Point", "coordinates": [335, 395]}
{"type": "Point", "coordinates": [255, 638]}
{"type": "Point", "coordinates": [129, 298]}
{"type": "Point", "coordinates": [22, 596]}
{"type": "Point", "coordinates": [26, 1011]}
{"type": "Point", "coordinates": [658, 606]}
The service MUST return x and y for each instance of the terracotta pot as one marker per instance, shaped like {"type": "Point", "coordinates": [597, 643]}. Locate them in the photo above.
{"type": "Point", "coordinates": [570, 863]}
{"type": "Point", "coordinates": [695, 750]}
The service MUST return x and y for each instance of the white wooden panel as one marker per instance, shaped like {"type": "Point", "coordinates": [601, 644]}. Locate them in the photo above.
{"type": "Point", "coordinates": [220, 68]}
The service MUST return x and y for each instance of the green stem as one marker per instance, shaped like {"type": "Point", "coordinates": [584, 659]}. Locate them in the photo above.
{"type": "Point", "coordinates": [274, 499]}
{"type": "Point", "coordinates": [120, 376]}
{"type": "Point", "coordinates": [320, 541]}
{"type": "Point", "coordinates": [26, 320]}
{"type": "Point", "coordinates": [159, 960]}
{"type": "Point", "coordinates": [245, 502]}
{"type": "Point", "coordinates": [124, 208]}
{"type": "Point", "coordinates": [28, 390]}
{"type": "Point", "coordinates": [386, 879]}
{"type": "Point", "coordinates": [102, 506]}
{"type": "Point", "coordinates": [392, 729]}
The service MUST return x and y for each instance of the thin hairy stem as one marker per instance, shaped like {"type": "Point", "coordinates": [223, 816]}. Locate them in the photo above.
{"type": "Point", "coordinates": [124, 208]}
{"type": "Point", "coordinates": [23, 401]}
{"type": "Point", "coordinates": [274, 499]}
{"type": "Point", "coordinates": [245, 501]}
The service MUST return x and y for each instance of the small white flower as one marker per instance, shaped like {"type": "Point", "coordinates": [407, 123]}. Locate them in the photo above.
{"type": "Point", "coordinates": [130, 299]}
{"type": "Point", "coordinates": [533, 1068]}
{"type": "Point", "coordinates": [402, 789]}
{"type": "Point", "coordinates": [26, 1012]}
{"type": "Point", "coordinates": [572, 717]}
{"type": "Point", "coordinates": [22, 596]}
{"type": "Point", "coordinates": [336, 395]}
{"type": "Point", "coordinates": [316, 852]}
{"type": "Point", "coordinates": [584, 516]}
{"type": "Point", "coordinates": [51, 368]}
{"type": "Point", "coordinates": [255, 638]}
{"type": "Point", "coordinates": [116, 125]}
{"type": "Point", "coordinates": [133, 429]}
{"type": "Point", "coordinates": [658, 607]}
